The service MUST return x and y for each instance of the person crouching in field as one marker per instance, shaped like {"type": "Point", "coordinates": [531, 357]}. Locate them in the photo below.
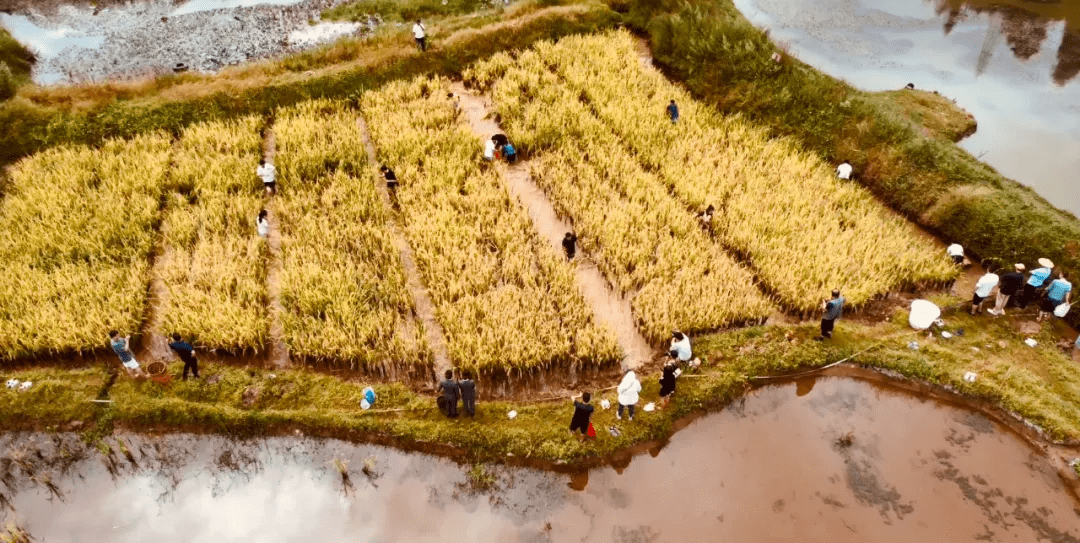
{"type": "Point", "coordinates": [680, 347]}
{"type": "Point", "coordinates": [831, 311]}
{"type": "Point", "coordinates": [1011, 284]}
{"type": "Point", "coordinates": [983, 287]}
{"type": "Point", "coordinates": [705, 218]}
{"type": "Point", "coordinates": [1059, 292]}
{"type": "Point", "coordinates": [451, 391]}
{"type": "Point", "coordinates": [1035, 282]}
{"type": "Point", "coordinates": [583, 411]}
{"type": "Point", "coordinates": [122, 347]}
{"type": "Point", "coordinates": [956, 253]}
{"type": "Point", "coordinates": [843, 171]}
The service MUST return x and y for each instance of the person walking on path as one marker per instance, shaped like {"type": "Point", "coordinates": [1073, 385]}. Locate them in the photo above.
{"type": "Point", "coordinates": [832, 309]}
{"type": "Point", "coordinates": [569, 244]}
{"type": "Point", "coordinates": [468, 394]}
{"type": "Point", "coordinates": [122, 347]}
{"type": "Point", "coordinates": [667, 380]}
{"type": "Point", "coordinates": [843, 171]}
{"type": "Point", "coordinates": [628, 394]}
{"type": "Point", "coordinates": [673, 112]}
{"type": "Point", "coordinates": [451, 391]}
{"type": "Point", "coordinates": [262, 224]}
{"type": "Point", "coordinates": [1011, 283]}
{"type": "Point", "coordinates": [419, 32]}
{"type": "Point", "coordinates": [983, 287]}
{"type": "Point", "coordinates": [268, 173]}
{"type": "Point", "coordinates": [1036, 281]}
{"type": "Point", "coordinates": [186, 352]}
{"type": "Point", "coordinates": [391, 183]}
{"type": "Point", "coordinates": [1059, 292]}
{"type": "Point", "coordinates": [583, 411]}
{"type": "Point", "coordinates": [680, 347]}
{"type": "Point", "coordinates": [956, 252]}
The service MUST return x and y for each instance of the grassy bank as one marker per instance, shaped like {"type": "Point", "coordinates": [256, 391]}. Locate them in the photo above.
{"type": "Point", "coordinates": [43, 118]}
{"type": "Point", "coordinates": [723, 60]}
{"type": "Point", "coordinates": [15, 64]}
{"type": "Point", "coordinates": [1040, 383]}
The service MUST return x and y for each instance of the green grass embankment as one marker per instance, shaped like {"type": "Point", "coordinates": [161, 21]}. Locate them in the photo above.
{"type": "Point", "coordinates": [1040, 383]}
{"type": "Point", "coordinates": [725, 61]}
{"type": "Point", "coordinates": [89, 114]}
{"type": "Point", "coordinates": [15, 64]}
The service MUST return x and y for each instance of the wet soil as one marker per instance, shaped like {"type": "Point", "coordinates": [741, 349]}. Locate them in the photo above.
{"type": "Point", "coordinates": [425, 308]}
{"type": "Point", "coordinates": [611, 309]}
{"type": "Point", "coordinates": [278, 357]}
{"type": "Point", "coordinates": [825, 459]}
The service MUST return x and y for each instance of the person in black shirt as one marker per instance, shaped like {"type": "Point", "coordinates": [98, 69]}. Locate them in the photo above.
{"type": "Point", "coordinates": [582, 413]}
{"type": "Point", "coordinates": [667, 380]}
{"type": "Point", "coordinates": [186, 352]}
{"type": "Point", "coordinates": [569, 244]}
{"type": "Point", "coordinates": [391, 182]}
{"type": "Point", "coordinates": [468, 394]}
{"type": "Point", "coordinates": [1011, 284]}
{"type": "Point", "coordinates": [451, 392]}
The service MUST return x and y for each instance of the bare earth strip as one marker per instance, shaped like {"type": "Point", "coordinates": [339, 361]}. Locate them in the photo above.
{"type": "Point", "coordinates": [425, 309]}
{"type": "Point", "coordinates": [610, 308]}
{"type": "Point", "coordinates": [279, 350]}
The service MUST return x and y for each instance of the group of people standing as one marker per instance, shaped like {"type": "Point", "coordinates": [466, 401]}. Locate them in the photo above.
{"type": "Point", "coordinates": [1014, 288]}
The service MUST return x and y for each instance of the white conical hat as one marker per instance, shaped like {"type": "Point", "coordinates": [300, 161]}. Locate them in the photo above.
{"type": "Point", "coordinates": [923, 314]}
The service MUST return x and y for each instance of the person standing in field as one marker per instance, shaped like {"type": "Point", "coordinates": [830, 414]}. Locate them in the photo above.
{"type": "Point", "coordinates": [983, 287]}
{"type": "Point", "coordinates": [673, 112]}
{"type": "Point", "coordinates": [831, 309]}
{"type": "Point", "coordinates": [419, 32]}
{"type": "Point", "coordinates": [122, 347]}
{"type": "Point", "coordinates": [451, 391]}
{"type": "Point", "coordinates": [391, 183]}
{"type": "Point", "coordinates": [843, 171]}
{"type": "Point", "coordinates": [186, 352]}
{"type": "Point", "coordinates": [262, 224]}
{"type": "Point", "coordinates": [569, 245]}
{"type": "Point", "coordinates": [489, 148]}
{"type": "Point", "coordinates": [956, 253]}
{"type": "Point", "coordinates": [680, 347]}
{"type": "Point", "coordinates": [468, 394]}
{"type": "Point", "coordinates": [583, 411]}
{"type": "Point", "coordinates": [628, 394]}
{"type": "Point", "coordinates": [1036, 281]}
{"type": "Point", "coordinates": [268, 173]}
{"type": "Point", "coordinates": [1059, 292]}
{"type": "Point", "coordinates": [667, 380]}
{"type": "Point", "coordinates": [1011, 283]}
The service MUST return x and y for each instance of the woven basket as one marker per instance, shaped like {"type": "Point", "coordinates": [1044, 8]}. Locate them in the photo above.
{"type": "Point", "coordinates": [156, 368]}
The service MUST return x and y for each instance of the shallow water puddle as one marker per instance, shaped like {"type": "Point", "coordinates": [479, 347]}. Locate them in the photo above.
{"type": "Point", "coordinates": [1024, 101]}
{"type": "Point", "coordinates": [831, 460]}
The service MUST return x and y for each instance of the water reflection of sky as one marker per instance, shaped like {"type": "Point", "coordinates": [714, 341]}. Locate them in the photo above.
{"type": "Point", "coordinates": [1029, 127]}
{"type": "Point", "coordinates": [47, 42]}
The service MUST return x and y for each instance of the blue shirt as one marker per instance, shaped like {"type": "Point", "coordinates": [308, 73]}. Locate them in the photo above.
{"type": "Point", "coordinates": [673, 111]}
{"type": "Point", "coordinates": [1038, 277]}
{"type": "Point", "coordinates": [1058, 289]}
{"type": "Point", "coordinates": [118, 348]}
{"type": "Point", "coordinates": [184, 349]}
{"type": "Point", "coordinates": [834, 308]}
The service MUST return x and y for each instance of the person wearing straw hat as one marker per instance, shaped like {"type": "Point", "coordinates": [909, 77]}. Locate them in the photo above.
{"type": "Point", "coordinates": [1011, 283]}
{"type": "Point", "coordinates": [1036, 281]}
{"type": "Point", "coordinates": [983, 287]}
{"type": "Point", "coordinates": [1059, 292]}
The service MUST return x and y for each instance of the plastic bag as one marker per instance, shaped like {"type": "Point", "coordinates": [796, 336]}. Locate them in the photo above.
{"type": "Point", "coordinates": [512, 414]}
{"type": "Point", "coordinates": [591, 432]}
{"type": "Point", "coordinates": [649, 407]}
{"type": "Point", "coordinates": [970, 376]}
{"type": "Point", "coordinates": [604, 404]}
{"type": "Point", "coordinates": [1061, 310]}
{"type": "Point", "coordinates": [12, 383]}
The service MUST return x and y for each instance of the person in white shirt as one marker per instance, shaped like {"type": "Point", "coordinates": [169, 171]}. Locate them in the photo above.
{"type": "Point", "coordinates": [489, 149]}
{"type": "Point", "coordinates": [956, 251]}
{"type": "Point", "coordinates": [420, 33]}
{"type": "Point", "coordinates": [262, 225]}
{"type": "Point", "coordinates": [983, 288]}
{"type": "Point", "coordinates": [268, 174]}
{"type": "Point", "coordinates": [843, 171]}
{"type": "Point", "coordinates": [628, 394]}
{"type": "Point", "coordinates": [680, 346]}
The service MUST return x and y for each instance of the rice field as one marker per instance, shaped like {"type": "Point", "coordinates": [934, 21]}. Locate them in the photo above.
{"type": "Point", "coordinates": [343, 286]}
{"type": "Point", "coordinates": [801, 231]}
{"type": "Point", "coordinates": [213, 264]}
{"type": "Point", "coordinates": [504, 298]}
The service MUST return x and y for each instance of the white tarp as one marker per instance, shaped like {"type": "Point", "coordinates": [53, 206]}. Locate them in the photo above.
{"type": "Point", "coordinates": [923, 314]}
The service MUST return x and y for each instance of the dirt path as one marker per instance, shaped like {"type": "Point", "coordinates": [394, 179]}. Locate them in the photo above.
{"type": "Point", "coordinates": [155, 346]}
{"type": "Point", "coordinates": [425, 309]}
{"type": "Point", "coordinates": [279, 351]}
{"type": "Point", "coordinates": [610, 308]}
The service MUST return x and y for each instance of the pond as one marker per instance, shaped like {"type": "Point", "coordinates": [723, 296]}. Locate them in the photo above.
{"type": "Point", "coordinates": [832, 459]}
{"type": "Point", "coordinates": [1012, 64]}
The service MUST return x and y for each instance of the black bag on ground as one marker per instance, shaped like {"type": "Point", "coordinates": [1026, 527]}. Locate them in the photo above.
{"type": "Point", "coordinates": [441, 402]}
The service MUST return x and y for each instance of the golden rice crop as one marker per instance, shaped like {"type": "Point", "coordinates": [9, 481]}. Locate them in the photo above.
{"type": "Point", "coordinates": [343, 285]}
{"type": "Point", "coordinates": [503, 296]}
{"type": "Point", "coordinates": [642, 239]}
{"type": "Point", "coordinates": [213, 263]}
{"type": "Point", "coordinates": [76, 229]}
{"type": "Point", "coordinates": [803, 231]}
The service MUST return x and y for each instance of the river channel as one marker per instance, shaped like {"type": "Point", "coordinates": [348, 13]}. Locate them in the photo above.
{"type": "Point", "coordinates": [831, 459]}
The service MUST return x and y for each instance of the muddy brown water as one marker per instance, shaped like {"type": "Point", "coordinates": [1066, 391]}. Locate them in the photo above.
{"type": "Point", "coordinates": [825, 459]}
{"type": "Point", "coordinates": [1010, 63]}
